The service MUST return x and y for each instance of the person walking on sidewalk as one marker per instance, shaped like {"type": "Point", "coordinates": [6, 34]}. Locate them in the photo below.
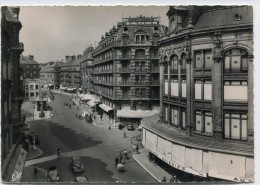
{"type": "Point", "coordinates": [137, 148]}
{"type": "Point", "coordinates": [35, 170]}
{"type": "Point", "coordinates": [101, 117]}
{"type": "Point", "coordinates": [116, 161]}
{"type": "Point", "coordinates": [120, 157]}
{"type": "Point", "coordinates": [164, 179]}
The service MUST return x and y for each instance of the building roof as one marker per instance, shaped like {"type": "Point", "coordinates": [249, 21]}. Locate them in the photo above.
{"type": "Point", "coordinates": [28, 60]}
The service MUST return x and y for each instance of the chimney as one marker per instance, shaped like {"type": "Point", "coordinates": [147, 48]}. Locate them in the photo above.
{"type": "Point", "coordinates": [67, 58]}
{"type": "Point", "coordinates": [79, 56]}
{"type": "Point", "coordinates": [73, 57]}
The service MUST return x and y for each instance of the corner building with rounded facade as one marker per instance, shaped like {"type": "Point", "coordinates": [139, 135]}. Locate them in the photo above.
{"type": "Point", "coordinates": [206, 101]}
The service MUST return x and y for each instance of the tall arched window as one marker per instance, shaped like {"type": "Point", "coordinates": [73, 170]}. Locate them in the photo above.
{"type": "Point", "coordinates": [31, 87]}
{"type": "Point", "coordinates": [174, 64]}
{"type": "Point", "coordinates": [236, 60]}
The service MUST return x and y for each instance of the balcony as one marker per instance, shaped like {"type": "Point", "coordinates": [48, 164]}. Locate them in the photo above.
{"type": "Point", "coordinates": [203, 73]}
{"type": "Point", "coordinates": [142, 70]}
{"type": "Point", "coordinates": [124, 70]}
{"type": "Point", "coordinates": [124, 83]}
{"type": "Point", "coordinates": [18, 46]}
{"type": "Point", "coordinates": [106, 70]}
{"type": "Point", "coordinates": [141, 83]}
{"type": "Point", "coordinates": [142, 43]}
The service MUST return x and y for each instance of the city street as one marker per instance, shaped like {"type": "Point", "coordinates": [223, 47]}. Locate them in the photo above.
{"type": "Point", "coordinates": [97, 146]}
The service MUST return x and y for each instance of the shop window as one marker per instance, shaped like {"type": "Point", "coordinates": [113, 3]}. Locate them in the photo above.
{"type": "Point", "coordinates": [235, 126]}
{"type": "Point", "coordinates": [236, 60]}
{"type": "Point", "coordinates": [197, 89]}
{"type": "Point", "coordinates": [240, 87]}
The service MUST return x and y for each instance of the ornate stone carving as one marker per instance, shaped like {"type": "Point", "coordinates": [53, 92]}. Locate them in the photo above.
{"type": "Point", "coordinates": [217, 51]}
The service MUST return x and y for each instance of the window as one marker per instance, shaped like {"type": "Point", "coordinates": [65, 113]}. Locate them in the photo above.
{"type": "Point", "coordinates": [26, 87]}
{"type": "Point", "coordinates": [31, 87]}
{"type": "Point", "coordinates": [240, 87]}
{"type": "Point", "coordinates": [183, 89]}
{"type": "Point", "coordinates": [203, 90]}
{"type": "Point", "coordinates": [166, 86]}
{"type": "Point", "coordinates": [236, 60]}
{"type": "Point", "coordinates": [36, 86]}
{"type": "Point", "coordinates": [235, 126]}
{"type": "Point", "coordinates": [174, 87]}
{"type": "Point", "coordinates": [183, 63]}
{"type": "Point", "coordinates": [174, 64]}
{"type": "Point", "coordinates": [204, 122]}
{"type": "Point", "coordinates": [203, 59]}
{"type": "Point", "coordinates": [174, 116]}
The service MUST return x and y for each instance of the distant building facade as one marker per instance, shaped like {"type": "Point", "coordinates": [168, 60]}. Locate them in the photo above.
{"type": "Point", "coordinates": [70, 72]}
{"type": "Point", "coordinates": [32, 88]}
{"type": "Point", "coordinates": [11, 93]}
{"type": "Point", "coordinates": [206, 72]}
{"type": "Point", "coordinates": [50, 74]}
{"type": "Point", "coordinates": [126, 69]}
{"type": "Point", "coordinates": [86, 70]}
{"type": "Point", "coordinates": [31, 68]}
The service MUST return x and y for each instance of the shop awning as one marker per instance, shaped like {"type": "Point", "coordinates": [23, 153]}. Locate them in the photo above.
{"type": "Point", "coordinates": [91, 103]}
{"type": "Point", "coordinates": [81, 95]}
{"type": "Point", "coordinates": [87, 97]}
{"type": "Point", "coordinates": [105, 107]}
{"type": "Point", "coordinates": [135, 113]}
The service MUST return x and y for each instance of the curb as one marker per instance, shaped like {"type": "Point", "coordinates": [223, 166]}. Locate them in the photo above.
{"type": "Point", "coordinates": [41, 152]}
{"type": "Point", "coordinates": [147, 170]}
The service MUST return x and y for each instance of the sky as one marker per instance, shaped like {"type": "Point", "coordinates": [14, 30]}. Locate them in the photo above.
{"type": "Point", "coordinates": [51, 32]}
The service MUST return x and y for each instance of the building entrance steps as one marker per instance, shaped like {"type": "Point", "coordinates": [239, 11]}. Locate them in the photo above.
{"type": "Point", "coordinates": [154, 170]}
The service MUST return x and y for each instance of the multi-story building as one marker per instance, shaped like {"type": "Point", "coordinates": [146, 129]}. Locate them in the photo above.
{"type": "Point", "coordinates": [70, 72]}
{"type": "Point", "coordinates": [126, 69]}
{"type": "Point", "coordinates": [32, 88]}
{"type": "Point", "coordinates": [206, 72]}
{"type": "Point", "coordinates": [86, 70]}
{"type": "Point", "coordinates": [31, 68]}
{"type": "Point", "coordinates": [11, 95]}
{"type": "Point", "coordinates": [50, 74]}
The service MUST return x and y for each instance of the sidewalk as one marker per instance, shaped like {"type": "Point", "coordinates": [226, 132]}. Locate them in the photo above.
{"type": "Point", "coordinates": [28, 175]}
{"type": "Point", "coordinates": [154, 170]}
{"type": "Point", "coordinates": [105, 122]}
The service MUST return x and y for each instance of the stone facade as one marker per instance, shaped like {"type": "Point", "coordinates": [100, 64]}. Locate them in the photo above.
{"type": "Point", "coordinates": [126, 65]}
{"type": "Point", "coordinates": [50, 74]}
{"type": "Point", "coordinates": [86, 70]}
{"type": "Point", "coordinates": [31, 68]}
{"type": "Point", "coordinates": [206, 74]}
{"type": "Point", "coordinates": [11, 94]}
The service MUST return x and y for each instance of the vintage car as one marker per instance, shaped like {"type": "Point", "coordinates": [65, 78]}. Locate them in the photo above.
{"type": "Point", "coordinates": [130, 127]}
{"type": "Point", "coordinates": [53, 174]}
{"type": "Point", "coordinates": [76, 165]}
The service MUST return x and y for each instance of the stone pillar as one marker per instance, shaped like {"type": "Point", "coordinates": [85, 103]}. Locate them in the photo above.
{"type": "Point", "coordinates": [189, 99]}
{"type": "Point", "coordinates": [217, 88]}
{"type": "Point", "coordinates": [179, 79]}
{"type": "Point", "coordinates": [250, 99]}
{"type": "Point", "coordinates": [161, 84]}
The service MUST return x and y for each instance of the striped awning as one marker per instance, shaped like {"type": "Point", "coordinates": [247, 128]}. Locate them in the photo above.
{"type": "Point", "coordinates": [105, 107]}
{"type": "Point", "coordinates": [86, 97]}
{"type": "Point", "coordinates": [136, 113]}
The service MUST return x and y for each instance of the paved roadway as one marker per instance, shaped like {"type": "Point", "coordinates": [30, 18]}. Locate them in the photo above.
{"type": "Point", "coordinates": [97, 147]}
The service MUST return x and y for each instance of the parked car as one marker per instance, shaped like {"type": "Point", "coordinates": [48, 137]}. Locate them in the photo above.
{"type": "Point", "coordinates": [120, 126]}
{"type": "Point", "coordinates": [53, 174]}
{"type": "Point", "coordinates": [130, 127]}
{"type": "Point", "coordinates": [81, 179]}
{"type": "Point", "coordinates": [76, 165]}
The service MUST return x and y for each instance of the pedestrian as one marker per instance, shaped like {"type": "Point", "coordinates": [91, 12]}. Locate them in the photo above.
{"type": "Point", "coordinates": [164, 179]}
{"type": "Point", "coordinates": [120, 157]}
{"type": "Point", "coordinates": [35, 170]}
{"type": "Point", "coordinates": [125, 154]}
{"type": "Point", "coordinates": [137, 148]}
{"type": "Point", "coordinates": [124, 134]}
{"type": "Point", "coordinates": [116, 161]}
{"type": "Point", "coordinates": [51, 116]}
{"type": "Point", "coordinates": [58, 152]}
{"type": "Point", "coordinates": [101, 117]}
{"type": "Point", "coordinates": [78, 108]}
{"type": "Point", "coordinates": [173, 179]}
